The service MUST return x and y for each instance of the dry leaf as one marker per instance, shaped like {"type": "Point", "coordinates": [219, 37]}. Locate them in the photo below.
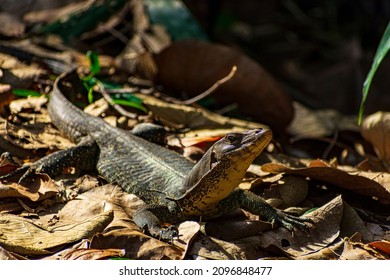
{"type": "Point", "coordinates": [373, 184]}
{"type": "Point", "coordinates": [26, 237]}
{"type": "Point", "coordinates": [293, 190]}
{"type": "Point", "coordinates": [319, 123]}
{"type": "Point", "coordinates": [331, 252]}
{"type": "Point", "coordinates": [383, 246]}
{"type": "Point", "coordinates": [255, 91]}
{"type": "Point", "coordinates": [192, 117]}
{"type": "Point", "coordinates": [34, 136]}
{"type": "Point", "coordinates": [30, 103]}
{"type": "Point", "coordinates": [21, 77]}
{"type": "Point", "coordinates": [210, 248]}
{"type": "Point", "coordinates": [359, 251]}
{"type": "Point", "coordinates": [41, 188]}
{"type": "Point", "coordinates": [325, 231]}
{"type": "Point", "coordinates": [352, 224]}
{"type": "Point", "coordinates": [6, 255]}
{"type": "Point", "coordinates": [376, 129]}
{"type": "Point", "coordinates": [93, 254]}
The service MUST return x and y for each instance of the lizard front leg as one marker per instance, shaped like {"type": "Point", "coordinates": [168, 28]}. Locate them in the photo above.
{"type": "Point", "coordinates": [83, 156]}
{"type": "Point", "coordinates": [256, 205]}
{"type": "Point", "coordinates": [151, 219]}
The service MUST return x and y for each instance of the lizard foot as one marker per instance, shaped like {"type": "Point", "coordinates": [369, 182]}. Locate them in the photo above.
{"type": "Point", "coordinates": [169, 233]}
{"type": "Point", "coordinates": [164, 233]}
{"type": "Point", "coordinates": [292, 222]}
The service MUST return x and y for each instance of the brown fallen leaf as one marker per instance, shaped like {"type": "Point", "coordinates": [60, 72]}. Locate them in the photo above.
{"type": "Point", "coordinates": [319, 123]}
{"type": "Point", "coordinates": [26, 237]}
{"type": "Point", "coordinates": [41, 188]}
{"type": "Point", "coordinates": [332, 252]}
{"type": "Point", "coordinates": [355, 250]}
{"type": "Point", "coordinates": [6, 255]}
{"type": "Point", "coordinates": [93, 254]}
{"type": "Point", "coordinates": [21, 77]}
{"type": "Point", "coordinates": [376, 129]}
{"type": "Point", "coordinates": [292, 190]}
{"type": "Point", "coordinates": [383, 246]}
{"type": "Point", "coordinates": [35, 135]}
{"type": "Point", "coordinates": [373, 184]}
{"type": "Point", "coordinates": [192, 117]}
{"type": "Point", "coordinates": [325, 231]}
{"type": "Point", "coordinates": [352, 224]}
{"type": "Point", "coordinates": [255, 91]}
{"type": "Point", "coordinates": [31, 103]}
{"type": "Point", "coordinates": [210, 248]}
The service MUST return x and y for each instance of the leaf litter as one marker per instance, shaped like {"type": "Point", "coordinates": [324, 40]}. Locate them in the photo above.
{"type": "Point", "coordinates": [78, 216]}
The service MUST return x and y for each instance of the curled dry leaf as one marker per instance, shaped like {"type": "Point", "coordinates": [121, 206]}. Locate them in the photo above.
{"type": "Point", "coordinates": [376, 129]}
{"type": "Point", "coordinates": [326, 230]}
{"type": "Point", "coordinates": [194, 66]}
{"type": "Point", "coordinates": [41, 188]}
{"type": "Point", "coordinates": [373, 184]}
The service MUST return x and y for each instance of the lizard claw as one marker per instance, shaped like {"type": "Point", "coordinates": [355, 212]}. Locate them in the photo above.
{"type": "Point", "coordinates": [169, 233]}
{"type": "Point", "coordinates": [292, 222]}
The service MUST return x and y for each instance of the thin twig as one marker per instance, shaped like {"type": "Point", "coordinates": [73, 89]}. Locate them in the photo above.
{"type": "Point", "coordinates": [117, 107]}
{"type": "Point", "coordinates": [213, 88]}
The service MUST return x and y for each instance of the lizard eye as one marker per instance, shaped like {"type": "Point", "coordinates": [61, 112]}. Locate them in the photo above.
{"type": "Point", "coordinates": [231, 138]}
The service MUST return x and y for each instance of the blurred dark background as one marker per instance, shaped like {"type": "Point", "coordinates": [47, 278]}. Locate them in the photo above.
{"type": "Point", "coordinates": [321, 50]}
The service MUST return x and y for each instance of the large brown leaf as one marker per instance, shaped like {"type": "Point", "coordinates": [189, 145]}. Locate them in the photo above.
{"type": "Point", "coordinates": [326, 230]}
{"type": "Point", "coordinates": [194, 66]}
{"type": "Point", "coordinates": [24, 236]}
{"type": "Point", "coordinates": [374, 184]}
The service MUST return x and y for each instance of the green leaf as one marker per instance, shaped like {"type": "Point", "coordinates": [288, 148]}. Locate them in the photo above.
{"type": "Point", "coordinates": [25, 92]}
{"type": "Point", "coordinates": [128, 99]}
{"type": "Point", "coordinates": [94, 64]}
{"type": "Point", "coordinates": [89, 82]}
{"type": "Point", "coordinates": [381, 53]}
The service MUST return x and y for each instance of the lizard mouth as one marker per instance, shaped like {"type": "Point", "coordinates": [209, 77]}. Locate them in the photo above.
{"type": "Point", "coordinates": [252, 143]}
{"type": "Point", "coordinates": [257, 137]}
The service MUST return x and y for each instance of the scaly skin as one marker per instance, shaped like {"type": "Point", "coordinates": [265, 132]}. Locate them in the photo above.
{"type": "Point", "coordinates": [173, 188]}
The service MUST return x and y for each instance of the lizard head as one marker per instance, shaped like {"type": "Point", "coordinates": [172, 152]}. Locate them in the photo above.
{"type": "Point", "coordinates": [221, 169]}
{"type": "Point", "coordinates": [242, 147]}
